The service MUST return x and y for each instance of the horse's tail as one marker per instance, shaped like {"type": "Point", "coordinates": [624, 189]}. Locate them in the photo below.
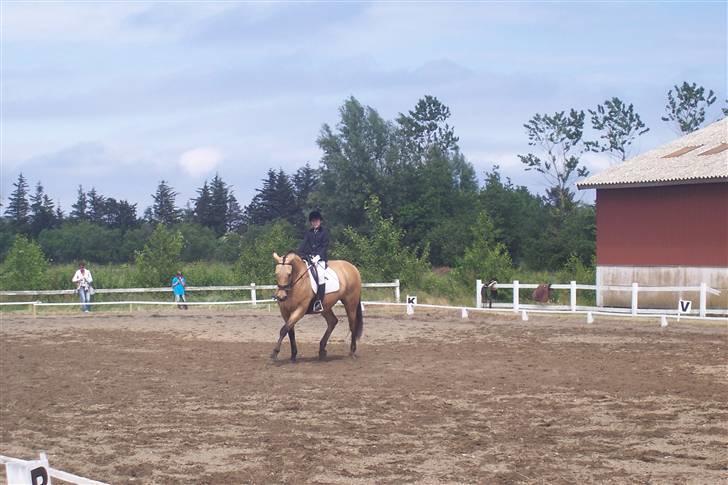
{"type": "Point", "coordinates": [359, 328]}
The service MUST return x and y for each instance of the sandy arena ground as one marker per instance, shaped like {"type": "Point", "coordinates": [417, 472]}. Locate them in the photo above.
{"type": "Point", "coordinates": [192, 397]}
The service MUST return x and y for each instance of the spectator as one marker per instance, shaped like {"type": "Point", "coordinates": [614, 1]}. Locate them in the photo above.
{"type": "Point", "coordinates": [83, 279]}
{"type": "Point", "coordinates": [178, 287]}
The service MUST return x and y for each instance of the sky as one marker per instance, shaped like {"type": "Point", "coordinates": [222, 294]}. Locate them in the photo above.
{"type": "Point", "coordinates": [120, 95]}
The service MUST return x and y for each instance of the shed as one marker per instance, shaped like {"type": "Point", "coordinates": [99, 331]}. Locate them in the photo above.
{"type": "Point", "coordinates": [662, 220]}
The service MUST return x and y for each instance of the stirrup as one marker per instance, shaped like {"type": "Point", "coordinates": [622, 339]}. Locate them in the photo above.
{"type": "Point", "coordinates": [317, 306]}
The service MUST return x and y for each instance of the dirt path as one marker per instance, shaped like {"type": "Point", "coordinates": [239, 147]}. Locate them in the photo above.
{"type": "Point", "coordinates": [193, 398]}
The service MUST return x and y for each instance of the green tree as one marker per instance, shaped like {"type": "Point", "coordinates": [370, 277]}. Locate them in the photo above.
{"type": "Point", "coordinates": [559, 136]}
{"type": "Point", "coordinates": [24, 267]}
{"type": "Point", "coordinates": [74, 241]}
{"type": "Point", "coordinates": [164, 210]}
{"type": "Point", "coordinates": [619, 125]}
{"type": "Point", "coordinates": [43, 215]}
{"type": "Point", "coordinates": [160, 258]}
{"type": "Point", "coordinates": [120, 214]}
{"type": "Point", "coordinates": [96, 208]}
{"type": "Point", "coordinates": [382, 255]}
{"type": "Point", "coordinates": [200, 242]}
{"type": "Point", "coordinates": [202, 212]}
{"type": "Point", "coordinates": [426, 127]}
{"type": "Point", "coordinates": [18, 210]}
{"type": "Point", "coordinates": [686, 105]}
{"type": "Point", "coordinates": [517, 214]}
{"type": "Point", "coordinates": [255, 263]}
{"type": "Point", "coordinates": [275, 200]}
{"type": "Point", "coordinates": [356, 159]}
{"type": "Point", "coordinates": [80, 207]}
{"type": "Point", "coordinates": [486, 258]}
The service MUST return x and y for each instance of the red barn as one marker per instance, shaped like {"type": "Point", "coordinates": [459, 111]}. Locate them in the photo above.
{"type": "Point", "coordinates": [662, 220]}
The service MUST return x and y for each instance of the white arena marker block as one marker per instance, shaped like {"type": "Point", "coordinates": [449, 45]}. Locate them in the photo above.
{"type": "Point", "coordinates": [589, 317]}
{"type": "Point", "coordinates": [464, 313]}
{"type": "Point", "coordinates": [663, 321]}
{"type": "Point", "coordinates": [410, 309]}
{"type": "Point", "coordinates": [524, 316]}
{"type": "Point", "coordinates": [362, 307]}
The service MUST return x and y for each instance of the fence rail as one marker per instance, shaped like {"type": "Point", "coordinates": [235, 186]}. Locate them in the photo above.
{"type": "Point", "coordinates": [252, 288]}
{"type": "Point", "coordinates": [703, 290]}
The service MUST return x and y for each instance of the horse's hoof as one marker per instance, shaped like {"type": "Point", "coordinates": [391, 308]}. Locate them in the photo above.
{"type": "Point", "coordinates": [352, 355]}
{"type": "Point", "coordinates": [274, 354]}
{"type": "Point", "coordinates": [293, 359]}
{"type": "Point", "coordinates": [322, 355]}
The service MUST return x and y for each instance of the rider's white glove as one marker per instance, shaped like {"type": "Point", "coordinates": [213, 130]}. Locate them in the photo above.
{"type": "Point", "coordinates": [316, 259]}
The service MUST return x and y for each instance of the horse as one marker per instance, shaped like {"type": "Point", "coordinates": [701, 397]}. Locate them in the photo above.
{"type": "Point", "coordinates": [294, 296]}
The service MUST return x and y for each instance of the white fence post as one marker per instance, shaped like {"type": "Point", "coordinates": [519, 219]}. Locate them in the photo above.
{"type": "Point", "coordinates": [396, 291]}
{"type": "Point", "coordinates": [253, 294]}
{"type": "Point", "coordinates": [572, 294]}
{"type": "Point", "coordinates": [478, 295]}
{"type": "Point", "coordinates": [703, 299]}
{"type": "Point", "coordinates": [515, 296]}
{"type": "Point", "coordinates": [635, 297]}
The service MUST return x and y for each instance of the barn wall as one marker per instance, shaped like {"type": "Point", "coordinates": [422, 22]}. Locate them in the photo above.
{"type": "Point", "coordinates": [681, 225]}
{"type": "Point", "coordinates": [715, 277]}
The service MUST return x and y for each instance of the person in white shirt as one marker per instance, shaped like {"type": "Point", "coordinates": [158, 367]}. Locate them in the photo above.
{"type": "Point", "coordinates": [83, 281]}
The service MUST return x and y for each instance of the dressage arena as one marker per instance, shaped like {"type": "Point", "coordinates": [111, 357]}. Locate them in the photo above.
{"type": "Point", "coordinates": [192, 397]}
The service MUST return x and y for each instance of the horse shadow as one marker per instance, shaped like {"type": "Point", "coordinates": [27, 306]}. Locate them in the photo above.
{"type": "Point", "coordinates": [309, 360]}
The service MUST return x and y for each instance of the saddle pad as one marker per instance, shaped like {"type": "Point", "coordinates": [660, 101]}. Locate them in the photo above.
{"type": "Point", "coordinates": [332, 280]}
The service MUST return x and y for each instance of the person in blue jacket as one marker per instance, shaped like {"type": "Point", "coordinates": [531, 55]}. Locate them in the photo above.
{"type": "Point", "coordinates": [178, 287]}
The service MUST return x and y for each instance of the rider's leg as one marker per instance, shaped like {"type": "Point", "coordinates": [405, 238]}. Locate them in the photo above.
{"type": "Point", "coordinates": [320, 292]}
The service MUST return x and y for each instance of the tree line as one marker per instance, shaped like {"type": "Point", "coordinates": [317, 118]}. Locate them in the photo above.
{"type": "Point", "coordinates": [409, 171]}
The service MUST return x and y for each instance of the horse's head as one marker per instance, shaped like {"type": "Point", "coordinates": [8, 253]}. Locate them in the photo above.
{"type": "Point", "coordinates": [284, 274]}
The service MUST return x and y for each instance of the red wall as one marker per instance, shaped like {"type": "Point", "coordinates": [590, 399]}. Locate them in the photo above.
{"type": "Point", "coordinates": [683, 225]}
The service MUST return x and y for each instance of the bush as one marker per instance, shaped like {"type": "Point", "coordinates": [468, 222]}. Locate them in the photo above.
{"type": "Point", "coordinates": [576, 270]}
{"type": "Point", "coordinates": [485, 259]}
{"type": "Point", "coordinates": [24, 267]}
{"type": "Point", "coordinates": [159, 259]}
{"type": "Point", "coordinates": [382, 256]}
{"type": "Point", "coordinates": [255, 264]}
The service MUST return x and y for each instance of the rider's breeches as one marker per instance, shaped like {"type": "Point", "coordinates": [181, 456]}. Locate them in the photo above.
{"type": "Point", "coordinates": [321, 271]}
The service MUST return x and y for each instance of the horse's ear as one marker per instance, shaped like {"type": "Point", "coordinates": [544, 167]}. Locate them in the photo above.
{"type": "Point", "coordinates": [277, 258]}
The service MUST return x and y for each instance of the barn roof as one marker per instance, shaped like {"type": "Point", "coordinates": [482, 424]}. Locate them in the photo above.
{"type": "Point", "coordinates": [698, 157]}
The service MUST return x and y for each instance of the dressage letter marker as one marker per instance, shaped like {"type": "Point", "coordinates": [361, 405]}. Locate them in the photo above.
{"type": "Point", "coordinates": [411, 300]}
{"type": "Point", "coordinates": [684, 306]}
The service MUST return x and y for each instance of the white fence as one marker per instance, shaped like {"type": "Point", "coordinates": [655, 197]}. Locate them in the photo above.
{"type": "Point", "coordinates": [635, 289]}
{"type": "Point", "coordinates": [252, 288]}
{"type": "Point", "coordinates": [27, 472]}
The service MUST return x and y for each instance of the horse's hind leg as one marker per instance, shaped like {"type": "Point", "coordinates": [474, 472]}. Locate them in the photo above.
{"type": "Point", "coordinates": [331, 322]}
{"type": "Point", "coordinates": [351, 314]}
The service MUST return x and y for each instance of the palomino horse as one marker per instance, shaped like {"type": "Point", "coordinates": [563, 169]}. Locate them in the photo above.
{"type": "Point", "coordinates": [294, 297]}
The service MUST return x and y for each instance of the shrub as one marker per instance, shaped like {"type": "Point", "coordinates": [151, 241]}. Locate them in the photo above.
{"type": "Point", "coordinates": [381, 256]}
{"type": "Point", "coordinates": [485, 259]}
{"type": "Point", "coordinates": [159, 259]}
{"type": "Point", "coordinates": [24, 267]}
{"type": "Point", "coordinates": [255, 264]}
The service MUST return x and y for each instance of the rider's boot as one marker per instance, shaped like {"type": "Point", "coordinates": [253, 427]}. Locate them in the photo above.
{"type": "Point", "coordinates": [318, 304]}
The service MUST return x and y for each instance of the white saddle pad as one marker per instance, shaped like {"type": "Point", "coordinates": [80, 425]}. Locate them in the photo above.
{"type": "Point", "coordinates": [332, 280]}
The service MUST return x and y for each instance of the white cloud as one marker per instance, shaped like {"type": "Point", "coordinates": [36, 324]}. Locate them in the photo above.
{"type": "Point", "coordinates": [200, 161]}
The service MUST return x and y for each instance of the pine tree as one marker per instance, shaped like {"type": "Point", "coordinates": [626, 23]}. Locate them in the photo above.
{"type": "Point", "coordinates": [201, 211]}
{"type": "Point", "coordinates": [18, 210]}
{"type": "Point", "coordinates": [305, 181]}
{"type": "Point", "coordinates": [78, 212]}
{"type": "Point", "coordinates": [42, 211]}
{"type": "Point", "coordinates": [164, 210]}
{"type": "Point", "coordinates": [96, 207]}
{"type": "Point", "coordinates": [219, 197]}
{"type": "Point", "coordinates": [235, 220]}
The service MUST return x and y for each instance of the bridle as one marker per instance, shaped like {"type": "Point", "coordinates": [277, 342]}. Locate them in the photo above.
{"type": "Point", "coordinates": [287, 287]}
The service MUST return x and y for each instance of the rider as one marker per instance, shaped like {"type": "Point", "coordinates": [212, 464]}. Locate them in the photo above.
{"type": "Point", "coordinates": [315, 246]}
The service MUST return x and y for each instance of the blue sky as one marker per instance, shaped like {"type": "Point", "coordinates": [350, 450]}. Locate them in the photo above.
{"type": "Point", "coordinates": [121, 95]}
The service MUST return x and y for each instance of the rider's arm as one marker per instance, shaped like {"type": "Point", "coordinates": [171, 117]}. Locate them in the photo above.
{"type": "Point", "coordinates": [304, 246]}
{"type": "Point", "coordinates": [324, 245]}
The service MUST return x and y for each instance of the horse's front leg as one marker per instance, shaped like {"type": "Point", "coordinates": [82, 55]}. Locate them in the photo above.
{"type": "Point", "coordinates": [286, 329]}
{"type": "Point", "coordinates": [277, 348]}
{"type": "Point", "coordinates": [294, 348]}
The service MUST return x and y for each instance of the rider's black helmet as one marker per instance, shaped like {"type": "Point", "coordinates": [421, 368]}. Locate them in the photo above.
{"type": "Point", "coordinates": [313, 215]}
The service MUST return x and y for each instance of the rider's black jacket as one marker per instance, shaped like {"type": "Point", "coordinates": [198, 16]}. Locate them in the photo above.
{"type": "Point", "coordinates": [315, 242]}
